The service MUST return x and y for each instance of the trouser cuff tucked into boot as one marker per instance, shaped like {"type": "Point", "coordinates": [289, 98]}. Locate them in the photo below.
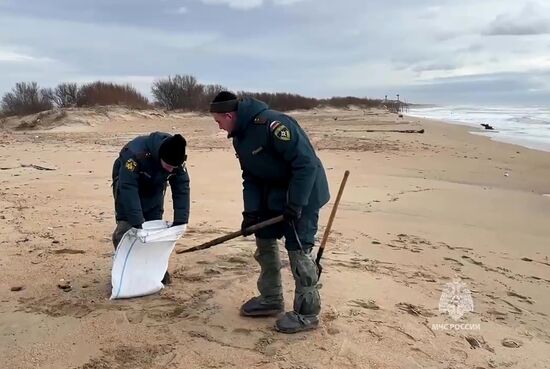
{"type": "Point", "coordinates": [270, 302]}
{"type": "Point", "coordinates": [307, 301]}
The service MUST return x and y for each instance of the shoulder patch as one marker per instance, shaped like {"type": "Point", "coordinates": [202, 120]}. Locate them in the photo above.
{"type": "Point", "coordinates": [282, 132]}
{"type": "Point", "coordinates": [131, 165]}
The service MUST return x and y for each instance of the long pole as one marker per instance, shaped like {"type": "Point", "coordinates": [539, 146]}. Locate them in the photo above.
{"type": "Point", "coordinates": [330, 221]}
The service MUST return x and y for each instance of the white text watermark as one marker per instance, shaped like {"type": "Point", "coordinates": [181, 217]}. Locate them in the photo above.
{"type": "Point", "coordinates": [456, 327]}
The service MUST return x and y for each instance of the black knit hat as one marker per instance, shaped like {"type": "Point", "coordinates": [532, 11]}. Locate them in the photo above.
{"type": "Point", "coordinates": [224, 102]}
{"type": "Point", "coordinates": [172, 150]}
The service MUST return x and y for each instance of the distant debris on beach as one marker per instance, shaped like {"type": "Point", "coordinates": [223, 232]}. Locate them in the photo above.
{"type": "Point", "coordinates": [487, 126]}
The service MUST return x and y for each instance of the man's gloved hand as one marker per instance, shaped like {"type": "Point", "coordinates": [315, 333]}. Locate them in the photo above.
{"type": "Point", "coordinates": [175, 224]}
{"type": "Point", "coordinates": [249, 219]}
{"type": "Point", "coordinates": [292, 213]}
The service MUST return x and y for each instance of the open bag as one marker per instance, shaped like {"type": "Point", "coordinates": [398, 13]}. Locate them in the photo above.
{"type": "Point", "coordinates": [141, 259]}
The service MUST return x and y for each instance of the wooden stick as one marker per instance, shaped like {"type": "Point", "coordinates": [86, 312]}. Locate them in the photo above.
{"type": "Point", "coordinates": [330, 221]}
{"type": "Point", "coordinates": [233, 235]}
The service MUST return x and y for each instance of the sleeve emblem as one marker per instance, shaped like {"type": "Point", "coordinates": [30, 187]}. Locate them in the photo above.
{"type": "Point", "coordinates": [282, 133]}
{"type": "Point", "coordinates": [131, 165]}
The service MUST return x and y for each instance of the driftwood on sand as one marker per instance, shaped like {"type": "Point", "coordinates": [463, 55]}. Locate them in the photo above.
{"type": "Point", "coordinates": [38, 167]}
{"type": "Point", "coordinates": [421, 131]}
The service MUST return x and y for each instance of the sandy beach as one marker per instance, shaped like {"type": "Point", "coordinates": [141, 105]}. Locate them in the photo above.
{"type": "Point", "coordinates": [419, 211]}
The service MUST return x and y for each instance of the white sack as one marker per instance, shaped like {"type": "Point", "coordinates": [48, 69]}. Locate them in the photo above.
{"type": "Point", "coordinates": [141, 259]}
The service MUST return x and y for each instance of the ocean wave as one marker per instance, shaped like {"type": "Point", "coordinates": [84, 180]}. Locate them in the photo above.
{"type": "Point", "coordinates": [525, 126]}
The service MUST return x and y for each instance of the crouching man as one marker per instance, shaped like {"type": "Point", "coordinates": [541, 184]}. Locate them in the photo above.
{"type": "Point", "coordinates": [140, 176]}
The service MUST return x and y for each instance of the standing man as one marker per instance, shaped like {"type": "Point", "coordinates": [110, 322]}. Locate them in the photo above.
{"type": "Point", "coordinates": [140, 175]}
{"type": "Point", "coordinates": [281, 175]}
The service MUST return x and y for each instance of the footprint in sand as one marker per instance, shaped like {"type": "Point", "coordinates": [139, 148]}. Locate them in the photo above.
{"type": "Point", "coordinates": [453, 260]}
{"type": "Point", "coordinates": [520, 297]}
{"type": "Point", "coordinates": [475, 262]}
{"type": "Point", "coordinates": [459, 354]}
{"type": "Point", "coordinates": [479, 342]}
{"type": "Point", "coordinates": [511, 343]}
{"type": "Point", "coordinates": [370, 304]}
{"type": "Point", "coordinates": [58, 307]}
{"type": "Point", "coordinates": [134, 316]}
{"type": "Point", "coordinates": [457, 265]}
{"type": "Point", "coordinates": [497, 314]}
{"type": "Point", "coordinates": [126, 357]}
{"type": "Point", "coordinates": [414, 309]}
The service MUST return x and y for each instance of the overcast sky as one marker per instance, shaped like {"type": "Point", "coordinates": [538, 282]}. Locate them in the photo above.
{"type": "Point", "coordinates": [440, 51]}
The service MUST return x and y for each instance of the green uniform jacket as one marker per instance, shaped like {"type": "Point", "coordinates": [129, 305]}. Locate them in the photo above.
{"type": "Point", "coordinates": [139, 182]}
{"type": "Point", "coordinates": [278, 162]}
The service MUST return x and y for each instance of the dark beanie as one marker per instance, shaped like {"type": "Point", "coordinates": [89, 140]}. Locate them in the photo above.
{"type": "Point", "coordinates": [224, 102]}
{"type": "Point", "coordinates": [172, 150]}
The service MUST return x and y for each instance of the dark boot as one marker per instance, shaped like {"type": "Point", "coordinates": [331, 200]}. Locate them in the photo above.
{"type": "Point", "coordinates": [257, 306]}
{"type": "Point", "coordinates": [293, 322]}
{"type": "Point", "coordinates": [121, 228]}
{"type": "Point", "coordinates": [307, 301]}
{"type": "Point", "coordinates": [270, 302]}
{"type": "Point", "coordinates": [167, 279]}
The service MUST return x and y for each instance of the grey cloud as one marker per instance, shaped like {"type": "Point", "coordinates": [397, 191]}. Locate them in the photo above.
{"type": "Point", "coordinates": [237, 4]}
{"type": "Point", "coordinates": [532, 20]}
{"type": "Point", "coordinates": [446, 35]}
{"type": "Point", "coordinates": [435, 67]}
{"type": "Point", "coordinates": [313, 47]}
{"type": "Point", "coordinates": [507, 28]}
{"type": "Point", "coordinates": [249, 4]}
{"type": "Point", "coordinates": [476, 47]}
{"type": "Point", "coordinates": [498, 88]}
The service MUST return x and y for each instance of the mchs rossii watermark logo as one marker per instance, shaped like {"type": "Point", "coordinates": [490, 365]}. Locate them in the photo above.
{"type": "Point", "coordinates": [456, 300]}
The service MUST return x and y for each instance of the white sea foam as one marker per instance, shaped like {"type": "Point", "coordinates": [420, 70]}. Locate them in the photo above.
{"type": "Point", "coordinates": [525, 126]}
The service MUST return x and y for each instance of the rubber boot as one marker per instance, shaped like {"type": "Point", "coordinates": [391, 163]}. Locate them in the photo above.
{"type": "Point", "coordinates": [270, 301]}
{"type": "Point", "coordinates": [307, 301]}
{"type": "Point", "coordinates": [122, 227]}
{"type": "Point", "coordinates": [166, 279]}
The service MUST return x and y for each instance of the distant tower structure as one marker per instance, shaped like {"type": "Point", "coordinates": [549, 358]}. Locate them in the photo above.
{"type": "Point", "coordinates": [399, 105]}
{"type": "Point", "coordinates": [386, 98]}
